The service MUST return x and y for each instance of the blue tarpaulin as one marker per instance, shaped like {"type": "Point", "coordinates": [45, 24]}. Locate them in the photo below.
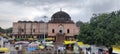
{"type": "Point", "coordinates": [31, 48]}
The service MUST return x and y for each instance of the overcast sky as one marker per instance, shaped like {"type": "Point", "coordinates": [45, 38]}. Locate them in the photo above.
{"type": "Point", "coordinates": [15, 10]}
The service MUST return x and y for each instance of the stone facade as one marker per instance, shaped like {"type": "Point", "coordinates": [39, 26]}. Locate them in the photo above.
{"type": "Point", "coordinates": [60, 27]}
{"type": "Point", "coordinates": [23, 29]}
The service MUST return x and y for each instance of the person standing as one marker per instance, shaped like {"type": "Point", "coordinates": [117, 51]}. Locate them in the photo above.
{"type": "Point", "coordinates": [81, 51]}
{"type": "Point", "coordinates": [87, 51]}
{"type": "Point", "coordinates": [110, 50]}
{"type": "Point", "coordinates": [100, 51]}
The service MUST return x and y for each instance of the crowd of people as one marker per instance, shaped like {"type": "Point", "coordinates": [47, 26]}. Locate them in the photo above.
{"type": "Point", "coordinates": [99, 51]}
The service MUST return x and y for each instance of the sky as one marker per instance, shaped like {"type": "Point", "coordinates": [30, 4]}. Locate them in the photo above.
{"type": "Point", "coordinates": [34, 10]}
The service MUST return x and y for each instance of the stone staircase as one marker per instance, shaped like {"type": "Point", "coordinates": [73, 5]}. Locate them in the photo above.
{"type": "Point", "coordinates": [59, 39]}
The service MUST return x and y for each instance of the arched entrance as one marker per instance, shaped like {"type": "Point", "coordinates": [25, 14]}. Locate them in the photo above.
{"type": "Point", "coordinates": [60, 35]}
{"type": "Point", "coordinates": [60, 29]}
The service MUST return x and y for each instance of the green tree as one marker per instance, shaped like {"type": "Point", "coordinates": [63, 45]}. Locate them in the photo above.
{"type": "Point", "coordinates": [9, 30]}
{"type": "Point", "coordinates": [79, 23]}
{"type": "Point", "coordinates": [103, 29]}
{"type": "Point", "coordinates": [2, 30]}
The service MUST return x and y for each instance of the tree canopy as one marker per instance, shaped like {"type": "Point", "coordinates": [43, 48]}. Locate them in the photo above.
{"type": "Point", "coordinates": [103, 29]}
{"type": "Point", "coordinates": [2, 30]}
{"type": "Point", "coordinates": [8, 30]}
{"type": "Point", "coordinates": [79, 23]}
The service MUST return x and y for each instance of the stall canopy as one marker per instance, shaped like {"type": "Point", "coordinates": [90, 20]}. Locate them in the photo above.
{"type": "Point", "coordinates": [32, 46]}
{"type": "Point", "coordinates": [41, 47]}
{"type": "Point", "coordinates": [80, 43]}
{"type": "Point", "coordinates": [69, 42]}
{"type": "Point", "coordinates": [49, 38]}
{"type": "Point", "coordinates": [4, 50]}
{"type": "Point", "coordinates": [18, 39]}
{"type": "Point", "coordinates": [50, 43]}
{"type": "Point", "coordinates": [30, 39]}
{"type": "Point", "coordinates": [22, 42]}
{"type": "Point", "coordinates": [116, 50]}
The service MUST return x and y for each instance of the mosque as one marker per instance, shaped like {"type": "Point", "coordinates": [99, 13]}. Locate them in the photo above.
{"type": "Point", "coordinates": [58, 29]}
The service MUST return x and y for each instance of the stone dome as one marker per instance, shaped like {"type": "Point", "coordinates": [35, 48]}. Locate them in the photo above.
{"type": "Point", "coordinates": [60, 15]}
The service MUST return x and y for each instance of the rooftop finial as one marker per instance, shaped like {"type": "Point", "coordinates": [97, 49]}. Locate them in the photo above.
{"type": "Point", "coordinates": [60, 9]}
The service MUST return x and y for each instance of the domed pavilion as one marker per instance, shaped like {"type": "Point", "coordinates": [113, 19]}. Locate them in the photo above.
{"type": "Point", "coordinates": [61, 27]}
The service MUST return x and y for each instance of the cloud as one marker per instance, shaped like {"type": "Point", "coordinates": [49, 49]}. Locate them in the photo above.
{"type": "Point", "coordinates": [14, 10]}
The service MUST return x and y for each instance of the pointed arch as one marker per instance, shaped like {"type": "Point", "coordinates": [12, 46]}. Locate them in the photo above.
{"type": "Point", "coordinates": [60, 29]}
